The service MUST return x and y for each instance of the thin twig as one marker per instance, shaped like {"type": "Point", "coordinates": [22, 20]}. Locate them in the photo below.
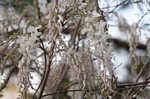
{"type": "Point", "coordinates": [64, 91]}
{"type": "Point", "coordinates": [47, 68]}
{"type": "Point", "coordinates": [129, 85]}
{"type": "Point", "coordinates": [74, 35]}
{"type": "Point", "coordinates": [45, 59]}
{"type": "Point", "coordinates": [12, 69]}
{"type": "Point", "coordinates": [36, 3]}
{"type": "Point", "coordinates": [146, 64]}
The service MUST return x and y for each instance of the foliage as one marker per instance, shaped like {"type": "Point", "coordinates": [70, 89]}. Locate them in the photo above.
{"type": "Point", "coordinates": [67, 46]}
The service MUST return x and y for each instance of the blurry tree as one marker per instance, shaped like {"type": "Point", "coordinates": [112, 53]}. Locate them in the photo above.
{"type": "Point", "coordinates": [67, 46]}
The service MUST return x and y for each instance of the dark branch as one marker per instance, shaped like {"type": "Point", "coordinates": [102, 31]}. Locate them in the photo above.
{"type": "Point", "coordinates": [124, 44]}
